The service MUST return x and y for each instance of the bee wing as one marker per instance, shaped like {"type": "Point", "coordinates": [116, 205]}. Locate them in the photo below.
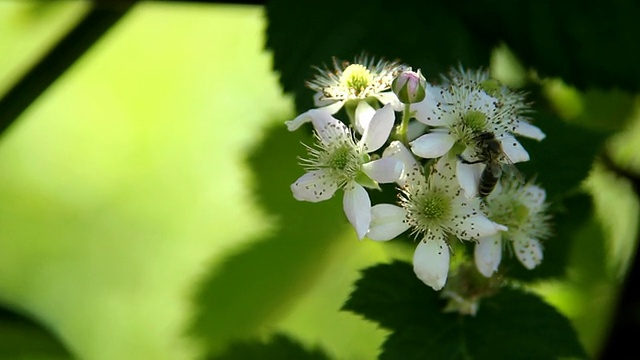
{"type": "Point", "coordinates": [496, 169]}
{"type": "Point", "coordinates": [509, 167]}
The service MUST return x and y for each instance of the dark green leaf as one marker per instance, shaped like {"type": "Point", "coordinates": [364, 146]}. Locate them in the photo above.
{"type": "Point", "coordinates": [427, 35]}
{"type": "Point", "coordinates": [563, 159]}
{"type": "Point", "coordinates": [510, 325]}
{"type": "Point", "coordinates": [519, 325]}
{"type": "Point", "coordinates": [585, 43]}
{"type": "Point", "coordinates": [389, 294]}
{"type": "Point", "coordinates": [425, 342]}
{"type": "Point", "coordinates": [22, 338]}
{"type": "Point", "coordinates": [279, 347]}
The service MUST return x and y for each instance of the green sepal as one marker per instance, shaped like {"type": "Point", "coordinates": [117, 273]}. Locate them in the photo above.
{"type": "Point", "coordinates": [364, 180]}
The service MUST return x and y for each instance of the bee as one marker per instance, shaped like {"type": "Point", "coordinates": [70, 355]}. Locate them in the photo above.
{"type": "Point", "coordinates": [491, 154]}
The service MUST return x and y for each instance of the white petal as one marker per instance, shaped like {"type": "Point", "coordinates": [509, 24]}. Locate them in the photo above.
{"type": "Point", "coordinates": [397, 150]}
{"type": "Point", "coordinates": [330, 106]}
{"type": "Point", "coordinates": [527, 130]}
{"type": "Point", "coordinates": [487, 254]}
{"type": "Point", "coordinates": [329, 129]}
{"type": "Point", "coordinates": [364, 114]}
{"type": "Point", "coordinates": [391, 99]}
{"type": "Point", "coordinates": [357, 207]}
{"type": "Point", "coordinates": [475, 227]}
{"type": "Point", "coordinates": [314, 186]}
{"type": "Point", "coordinates": [307, 116]}
{"type": "Point", "coordinates": [513, 149]}
{"type": "Point", "coordinates": [432, 145]}
{"type": "Point", "coordinates": [300, 120]}
{"type": "Point", "coordinates": [534, 196]}
{"type": "Point", "coordinates": [444, 172]}
{"type": "Point", "coordinates": [431, 262]}
{"type": "Point", "coordinates": [528, 251]}
{"type": "Point", "coordinates": [379, 129]}
{"type": "Point", "coordinates": [384, 170]}
{"type": "Point", "coordinates": [427, 111]}
{"type": "Point", "coordinates": [469, 177]}
{"type": "Point", "coordinates": [387, 222]}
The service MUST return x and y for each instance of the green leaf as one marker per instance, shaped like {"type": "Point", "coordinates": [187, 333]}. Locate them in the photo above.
{"type": "Point", "coordinates": [515, 324]}
{"type": "Point", "coordinates": [586, 44]}
{"type": "Point", "coordinates": [302, 36]}
{"type": "Point", "coordinates": [510, 325]}
{"type": "Point", "coordinates": [256, 283]}
{"type": "Point", "coordinates": [563, 159]}
{"type": "Point", "coordinates": [22, 338]}
{"type": "Point", "coordinates": [279, 347]}
{"type": "Point", "coordinates": [391, 285]}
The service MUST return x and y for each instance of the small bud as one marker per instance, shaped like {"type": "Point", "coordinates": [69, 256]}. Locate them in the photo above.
{"type": "Point", "coordinates": [410, 86]}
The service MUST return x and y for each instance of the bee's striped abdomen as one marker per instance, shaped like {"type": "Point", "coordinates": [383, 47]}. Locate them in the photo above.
{"type": "Point", "coordinates": [488, 182]}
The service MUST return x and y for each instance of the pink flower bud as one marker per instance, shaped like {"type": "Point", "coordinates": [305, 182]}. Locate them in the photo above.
{"type": "Point", "coordinates": [409, 86]}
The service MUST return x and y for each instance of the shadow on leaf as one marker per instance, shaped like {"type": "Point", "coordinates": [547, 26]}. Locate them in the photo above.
{"type": "Point", "coordinates": [256, 283]}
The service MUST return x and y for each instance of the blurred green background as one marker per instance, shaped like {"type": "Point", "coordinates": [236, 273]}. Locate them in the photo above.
{"type": "Point", "coordinates": [145, 210]}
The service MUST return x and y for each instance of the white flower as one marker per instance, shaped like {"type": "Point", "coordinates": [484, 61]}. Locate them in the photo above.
{"type": "Point", "coordinates": [358, 81]}
{"type": "Point", "coordinates": [523, 210]}
{"type": "Point", "coordinates": [338, 161]}
{"type": "Point", "coordinates": [433, 208]}
{"type": "Point", "coordinates": [514, 101]}
{"type": "Point", "coordinates": [462, 109]}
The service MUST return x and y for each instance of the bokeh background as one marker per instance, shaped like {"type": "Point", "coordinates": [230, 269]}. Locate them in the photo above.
{"type": "Point", "coordinates": [145, 210]}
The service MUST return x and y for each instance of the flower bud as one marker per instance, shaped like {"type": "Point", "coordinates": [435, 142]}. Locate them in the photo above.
{"type": "Point", "coordinates": [410, 86]}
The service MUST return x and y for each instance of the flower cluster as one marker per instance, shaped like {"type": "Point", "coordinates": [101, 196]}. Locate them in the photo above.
{"type": "Point", "coordinates": [449, 147]}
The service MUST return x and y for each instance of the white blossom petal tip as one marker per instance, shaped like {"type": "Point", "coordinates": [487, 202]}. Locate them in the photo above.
{"type": "Point", "coordinates": [487, 254]}
{"type": "Point", "coordinates": [384, 170]}
{"type": "Point", "coordinates": [475, 227]}
{"type": "Point", "coordinates": [391, 99]}
{"type": "Point", "coordinates": [528, 251]}
{"type": "Point", "coordinates": [387, 222]}
{"type": "Point", "coordinates": [379, 129]}
{"type": "Point", "coordinates": [432, 145]}
{"type": "Point", "coordinates": [357, 207]}
{"type": "Point", "coordinates": [314, 187]}
{"type": "Point", "coordinates": [364, 114]}
{"type": "Point", "coordinates": [469, 178]}
{"type": "Point", "coordinates": [527, 130]}
{"type": "Point", "coordinates": [431, 262]}
{"type": "Point", "coordinates": [514, 150]}
{"type": "Point", "coordinates": [298, 121]}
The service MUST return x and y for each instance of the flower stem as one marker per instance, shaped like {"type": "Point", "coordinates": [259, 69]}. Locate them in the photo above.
{"type": "Point", "coordinates": [401, 130]}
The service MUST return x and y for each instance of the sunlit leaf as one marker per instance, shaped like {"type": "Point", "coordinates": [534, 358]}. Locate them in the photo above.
{"type": "Point", "coordinates": [258, 281]}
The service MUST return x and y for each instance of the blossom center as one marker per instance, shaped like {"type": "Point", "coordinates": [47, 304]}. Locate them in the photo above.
{"type": "Point", "coordinates": [426, 209]}
{"type": "Point", "coordinates": [356, 78]}
{"type": "Point", "coordinates": [340, 158]}
{"type": "Point", "coordinates": [469, 125]}
{"type": "Point", "coordinates": [343, 161]}
{"type": "Point", "coordinates": [474, 120]}
{"type": "Point", "coordinates": [510, 213]}
{"type": "Point", "coordinates": [434, 206]}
